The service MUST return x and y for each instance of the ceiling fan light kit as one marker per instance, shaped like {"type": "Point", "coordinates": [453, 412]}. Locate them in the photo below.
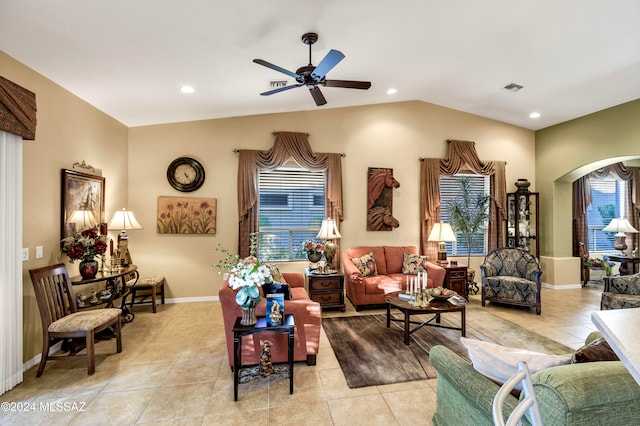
{"type": "Point", "coordinates": [313, 76]}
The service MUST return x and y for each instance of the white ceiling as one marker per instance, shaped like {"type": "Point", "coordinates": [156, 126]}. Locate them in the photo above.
{"type": "Point", "coordinates": [130, 57]}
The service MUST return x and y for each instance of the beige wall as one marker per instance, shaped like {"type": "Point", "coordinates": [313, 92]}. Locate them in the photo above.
{"type": "Point", "coordinates": [391, 135]}
{"type": "Point", "coordinates": [134, 163]}
{"type": "Point", "coordinates": [567, 151]}
{"type": "Point", "coordinates": [69, 130]}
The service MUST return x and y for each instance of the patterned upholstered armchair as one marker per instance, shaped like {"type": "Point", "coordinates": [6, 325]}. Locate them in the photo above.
{"type": "Point", "coordinates": [511, 275]}
{"type": "Point", "coordinates": [621, 292]}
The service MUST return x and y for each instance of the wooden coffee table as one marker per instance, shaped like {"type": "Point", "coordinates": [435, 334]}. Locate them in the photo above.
{"type": "Point", "coordinates": [435, 307]}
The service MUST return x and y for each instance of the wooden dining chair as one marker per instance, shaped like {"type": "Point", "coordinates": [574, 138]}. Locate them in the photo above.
{"type": "Point", "coordinates": [62, 320]}
{"type": "Point", "coordinates": [586, 269]}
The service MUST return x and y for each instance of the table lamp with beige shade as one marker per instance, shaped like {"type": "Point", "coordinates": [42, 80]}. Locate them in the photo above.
{"type": "Point", "coordinates": [123, 220]}
{"type": "Point", "coordinates": [442, 233]}
{"type": "Point", "coordinates": [621, 227]}
{"type": "Point", "coordinates": [328, 233]}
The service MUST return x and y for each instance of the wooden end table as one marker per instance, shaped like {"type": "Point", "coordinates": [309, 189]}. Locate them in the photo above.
{"type": "Point", "coordinates": [326, 289]}
{"type": "Point", "coordinates": [455, 278]}
{"type": "Point", "coordinates": [435, 307]}
{"type": "Point", "coordinates": [239, 330]}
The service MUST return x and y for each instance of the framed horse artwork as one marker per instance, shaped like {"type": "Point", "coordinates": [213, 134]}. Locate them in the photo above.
{"type": "Point", "coordinates": [380, 185]}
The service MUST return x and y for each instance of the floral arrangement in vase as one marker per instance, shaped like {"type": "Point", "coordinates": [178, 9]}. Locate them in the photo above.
{"type": "Point", "coordinates": [246, 276]}
{"type": "Point", "coordinates": [603, 263]}
{"type": "Point", "coordinates": [313, 250]}
{"type": "Point", "coordinates": [84, 245]}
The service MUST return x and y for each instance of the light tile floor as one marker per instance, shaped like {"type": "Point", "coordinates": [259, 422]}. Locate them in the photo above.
{"type": "Point", "coordinates": [174, 370]}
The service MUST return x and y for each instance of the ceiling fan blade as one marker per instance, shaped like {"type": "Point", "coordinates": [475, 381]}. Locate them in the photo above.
{"type": "Point", "coordinates": [276, 68]}
{"type": "Point", "coordinates": [328, 62]}
{"type": "Point", "coordinates": [349, 84]}
{"type": "Point", "coordinates": [280, 89]}
{"type": "Point", "coordinates": [317, 95]}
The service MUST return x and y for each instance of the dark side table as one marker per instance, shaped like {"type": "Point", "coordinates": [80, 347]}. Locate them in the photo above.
{"type": "Point", "coordinates": [287, 327]}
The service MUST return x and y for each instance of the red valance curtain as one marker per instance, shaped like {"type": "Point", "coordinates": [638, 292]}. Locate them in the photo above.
{"type": "Point", "coordinates": [17, 110]}
{"type": "Point", "coordinates": [582, 200]}
{"type": "Point", "coordinates": [286, 145]}
{"type": "Point", "coordinates": [461, 154]}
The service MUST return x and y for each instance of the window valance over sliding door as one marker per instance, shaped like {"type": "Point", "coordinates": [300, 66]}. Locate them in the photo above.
{"type": "Point", "coordinates": [17, 110]}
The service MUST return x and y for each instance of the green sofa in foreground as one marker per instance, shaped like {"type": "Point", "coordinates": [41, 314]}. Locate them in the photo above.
{"type": "Point", "coordinates": [594, 393]}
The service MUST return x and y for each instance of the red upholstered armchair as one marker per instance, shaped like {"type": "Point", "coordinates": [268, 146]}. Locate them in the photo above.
{"type": "Point", "coordinates": [307, 315]}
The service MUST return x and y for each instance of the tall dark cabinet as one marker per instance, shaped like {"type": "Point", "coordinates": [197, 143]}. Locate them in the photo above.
{"type": "Point", "coordinates": [522, 219]}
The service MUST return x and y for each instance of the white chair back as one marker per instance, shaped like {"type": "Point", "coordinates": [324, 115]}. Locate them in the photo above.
{"type": "Point", "coordinates": [528, 403]}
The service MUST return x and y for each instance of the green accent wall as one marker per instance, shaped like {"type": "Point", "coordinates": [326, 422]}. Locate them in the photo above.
{"type": "Point", "coordinates": [567, 151]}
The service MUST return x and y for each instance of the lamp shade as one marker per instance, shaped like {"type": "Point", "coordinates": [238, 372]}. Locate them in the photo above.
{"type": "Point", "coordinates": [442, 232]}
{"type": "Point", "coordinates": [83, 219]}
{"type": "Point", "coordinates": [124, 219]}
{"type": "Point", "coordinates": [619, 225]}
{"type": "Point", "coordinates": [329, 230]}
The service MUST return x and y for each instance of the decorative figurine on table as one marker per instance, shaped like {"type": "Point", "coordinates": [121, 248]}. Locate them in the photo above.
{"type": "Point", "coordinates": [94, 296]}
{"type": "Point", "coordinates": [275, 316]}
{"type": "Point", "coordinates": [80, 300]}
{"type": "Point", "coordinates": [266, 366]}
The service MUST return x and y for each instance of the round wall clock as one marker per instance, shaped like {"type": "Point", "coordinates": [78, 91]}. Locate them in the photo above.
{"type": "Point", "coordinates": [185, 174]}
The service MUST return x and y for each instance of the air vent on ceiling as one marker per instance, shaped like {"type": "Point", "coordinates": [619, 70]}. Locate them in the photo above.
{"type": "Point", "coordinates": [274, 84]}
{"type": "Point", "coordinates": [513, 87]}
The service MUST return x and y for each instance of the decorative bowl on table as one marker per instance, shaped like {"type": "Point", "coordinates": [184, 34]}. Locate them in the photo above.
{"type": "Point", "coordinates": [441, 294]}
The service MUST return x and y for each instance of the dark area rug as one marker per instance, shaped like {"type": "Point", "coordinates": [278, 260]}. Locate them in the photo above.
{"type": "Point", "coordinates": [371, 354]}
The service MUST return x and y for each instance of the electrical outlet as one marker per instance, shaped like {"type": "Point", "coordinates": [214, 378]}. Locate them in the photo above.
{"type": "Point", "coordinates": [25, 254]}
{"type": "Point", "coordinates": [39, 252]}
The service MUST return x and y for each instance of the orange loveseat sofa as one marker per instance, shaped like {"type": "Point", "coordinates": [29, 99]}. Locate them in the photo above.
{"type": "Point", "coordinates": [307, 315]}
{"type": "Point", "coordinates": [369, 291]}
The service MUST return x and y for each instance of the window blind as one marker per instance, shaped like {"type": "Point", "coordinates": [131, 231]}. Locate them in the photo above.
{"type": "Point", "coordinates": [450, 191]}
{"type": "Point", "coordinates": [291, 209]}
{"type": "Point", "coordinates": [608, 197]}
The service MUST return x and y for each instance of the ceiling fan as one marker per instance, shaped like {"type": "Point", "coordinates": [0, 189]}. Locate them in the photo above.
{"type": "Point", "coordinates": [314, 76]}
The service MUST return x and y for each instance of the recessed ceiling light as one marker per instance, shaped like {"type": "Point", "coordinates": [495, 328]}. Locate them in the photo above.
{"type": "Point", "coordinates": [187, 89]}
{"type": "Point", "coordinates": [534, 115]}
{"type": "Point", "coordinates": [392, 91]}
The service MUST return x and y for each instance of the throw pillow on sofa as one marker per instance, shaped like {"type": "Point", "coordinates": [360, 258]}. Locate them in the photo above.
{"type": "Point", "coordinates": [276, 274]}
{"type": "Point", "coordinates": [499, 363]}
{"type": "Point", "coordinates": [598, 350]}
{"type": "Point", "coordinates": [413, 263]}
{"type": "Point", "coordinates": [366, 265]}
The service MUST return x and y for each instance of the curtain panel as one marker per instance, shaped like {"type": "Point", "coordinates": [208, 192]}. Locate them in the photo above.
{"type": "Point", "coordinates": [461, 154]}
{"type": "Point", "coordinates": [582, 200]}
{"type": "Point", "coordinates": [10, 264]}
{"type": "Point", "coordinates": [17, 110]}
{"type": "Point", "coordinates": [286, 145]}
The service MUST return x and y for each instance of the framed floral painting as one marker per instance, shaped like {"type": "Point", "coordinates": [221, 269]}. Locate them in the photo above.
{"type": "Point", "coordinates": [186, 215]}
{"type": "Point", "coordinates": [82, 201]}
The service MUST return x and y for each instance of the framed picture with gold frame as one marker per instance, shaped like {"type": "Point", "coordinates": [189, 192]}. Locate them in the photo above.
{"type": "Point", "coordinates": [82, 204]}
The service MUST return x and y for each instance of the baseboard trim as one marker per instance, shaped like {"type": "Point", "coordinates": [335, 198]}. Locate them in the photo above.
{"type": "Point", "coordinates": [562, 287]}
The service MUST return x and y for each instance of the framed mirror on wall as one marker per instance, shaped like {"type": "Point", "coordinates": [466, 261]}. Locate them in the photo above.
{"type": "Point", "coordinates": [82, 202]}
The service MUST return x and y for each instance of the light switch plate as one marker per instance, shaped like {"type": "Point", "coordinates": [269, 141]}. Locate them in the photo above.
{"type": "Point", "coordinates": [25, 254]}
{"type": "Point", "coordinates": [39, 252]}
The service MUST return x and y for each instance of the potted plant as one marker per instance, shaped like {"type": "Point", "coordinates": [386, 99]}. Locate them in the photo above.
{"type": "Point", "coordinates": [469, 212]}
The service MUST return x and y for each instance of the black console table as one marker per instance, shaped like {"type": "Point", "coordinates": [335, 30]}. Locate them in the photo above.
{"type": "Point", "coordinates": [287, 327]}
{"type": "Point", "coordinates": [116, 282]}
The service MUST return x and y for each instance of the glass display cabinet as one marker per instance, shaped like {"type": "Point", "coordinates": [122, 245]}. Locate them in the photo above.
{"type": "Point", "coordinates": [522, 220]}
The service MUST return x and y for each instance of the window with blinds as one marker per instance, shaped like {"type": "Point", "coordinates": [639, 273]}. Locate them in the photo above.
{"type": "Point", "coordinates": [291, 209]}
{"type": "Point", "coordinates": [608, 197]}
{"type": "Point", "coordinates": [449, 191]}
